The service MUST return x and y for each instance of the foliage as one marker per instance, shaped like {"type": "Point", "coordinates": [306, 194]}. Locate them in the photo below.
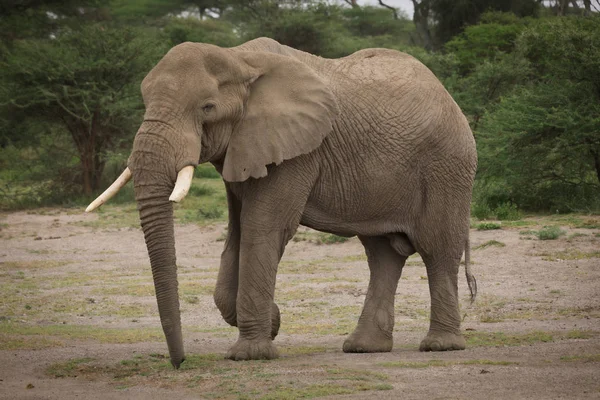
{"type": "Point", "coordinates": [206, 171]}
{"type": "Point", "coordinates": [451, 17]}
{"type": "Point", "coordinates": [497, 33]}
{"type": "Point", "coordinates": [217, 32]}
{"type": "Point", "coordinates": [550, 233]}
{"type": "Point", "coordinates": [83, 85]}
{"type": "Point", "coordinates": [488, 226]}
{"type": "Point", "coordinates": [329, 30]}
{"type": "Point", "coordinates": [507, 212]}
{"type": "Point", "coordinates": [529, 85]}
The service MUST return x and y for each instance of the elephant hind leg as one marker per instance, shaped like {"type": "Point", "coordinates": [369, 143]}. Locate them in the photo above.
{"type": "Point", "coordinates": [442, 272]}
{"type": "Point", "coordinates": [376, 323]}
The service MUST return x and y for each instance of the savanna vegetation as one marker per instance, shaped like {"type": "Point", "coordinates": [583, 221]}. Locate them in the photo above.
{"type": "Point", "coordinates": [526, 74]}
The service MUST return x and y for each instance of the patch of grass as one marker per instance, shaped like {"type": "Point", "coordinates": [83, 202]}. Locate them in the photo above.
{"type": "Point", "coordinates": [213, 377]}
{"type": "Point", "coordinates": [127, 289]}
{"type": "Point", "coordinates": [569, 254]}
{"type": "Point", "coordinates": [528, 232]}
{"type": "Point", "coordinates": [480, 339]}
{"type": "Point", "coordinates": [111, 216]}
{"type": "Point", "coordinates": [488, 226]}
{"type": "Point", "coordinates": [84, 332]}
{"type": "Point", "coordinates": [328, 238]}
{"type": "Point", "coordinates": [201, 190]}
{"type": "Point", "coordinates": [301, 350]}
{"type": "Point", "coordinates": [575, 235]}
{"type": "Point", "coordinates": [69, 369]}
{"type": "Point", "coordinates": [33, 264]}
{"type": "Point", "coordinates": [191, 299]}
{"type": "Point", "coordinates": [8, 342]}
{"type": "Point", "coordinates": [308, 392]}
{"type": "Point", "coordinates": [583, 358]}
{"type": "Point", "coordinates": [552, 232]}
{"type": "Point", "coordinates": [518, 223]}
{"type": "Point", "coordinates": [194, 288]}
{"type": "Point", "coordinates": [206, 171]}
{"type": "Point", "coordinates": [442, 363]}
{"type": "Point", "coordinates": [490, 243]}
{"type": "Point", "coordinates": [578, 334]}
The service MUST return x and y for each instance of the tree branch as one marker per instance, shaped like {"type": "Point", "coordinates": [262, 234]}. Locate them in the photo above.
{"type": "Point", "coordinates": [389, 7]}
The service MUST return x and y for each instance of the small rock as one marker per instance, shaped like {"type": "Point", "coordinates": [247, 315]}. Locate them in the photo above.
{"type": "Point", "coordinates": [30, 386]}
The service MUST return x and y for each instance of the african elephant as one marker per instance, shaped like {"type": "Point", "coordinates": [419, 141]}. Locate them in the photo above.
{"type": "Point", "coordinates": [370, 145]}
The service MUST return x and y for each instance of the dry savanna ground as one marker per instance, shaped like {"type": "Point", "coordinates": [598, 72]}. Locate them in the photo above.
{"type": "Point", "coordinates": [78, 317]}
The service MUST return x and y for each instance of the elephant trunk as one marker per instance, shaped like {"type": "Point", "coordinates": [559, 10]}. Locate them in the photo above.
{"type": "Point", "coordinates": [154, 178]}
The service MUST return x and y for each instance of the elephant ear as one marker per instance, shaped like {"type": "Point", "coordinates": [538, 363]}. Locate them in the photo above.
{"type": "Point", "coordinates": [289, 111]}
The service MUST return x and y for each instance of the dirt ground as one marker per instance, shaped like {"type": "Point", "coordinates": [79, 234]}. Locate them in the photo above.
{"type": "Point", "coordinates": [78, 318]}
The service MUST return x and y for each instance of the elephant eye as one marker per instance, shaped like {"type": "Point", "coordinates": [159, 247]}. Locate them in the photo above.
{"type": "Point", "coordinates": [208, 107]}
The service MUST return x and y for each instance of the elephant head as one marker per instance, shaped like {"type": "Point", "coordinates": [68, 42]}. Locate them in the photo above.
{"type": "Point", "coordinates": [238, 108]}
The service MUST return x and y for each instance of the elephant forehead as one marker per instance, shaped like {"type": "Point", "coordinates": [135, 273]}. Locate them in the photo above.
{"type": "Point", "coordinates": [196, 67]}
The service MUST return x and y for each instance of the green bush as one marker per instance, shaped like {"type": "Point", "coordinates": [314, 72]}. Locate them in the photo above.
{"type": "Point", "coordinates": [213, 31]}
{"type": "Point", "coordinates": [507, 212]}
{"type": "Point", "coordinates": [488, 226]}
{"type": "Point", "coordinates": [481, 210]}
{"type": "Point", "coordinates": [550, 233]}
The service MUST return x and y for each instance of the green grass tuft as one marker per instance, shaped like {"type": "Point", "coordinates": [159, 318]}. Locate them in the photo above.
{"type": "Point", "coordinates": [490, 243]}
{"type": "Point", "coordinates": [550, 233]}
{"type": "Point", "coordinates": [488, 226]}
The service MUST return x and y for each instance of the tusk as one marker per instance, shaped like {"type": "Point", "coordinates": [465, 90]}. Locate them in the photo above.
{"type": "Point", "coordinates": [111, 191]}
{"type": "Point", "coordinates": [183, 183]}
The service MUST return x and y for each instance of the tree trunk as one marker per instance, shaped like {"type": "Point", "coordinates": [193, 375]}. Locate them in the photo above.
{"type": "Point", "coordinates": [596, 156]}
{"type": "Point", "coordinates": [421, 20]}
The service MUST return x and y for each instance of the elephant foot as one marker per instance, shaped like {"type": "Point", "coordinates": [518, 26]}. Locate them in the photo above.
{"type": "Point", "coordinates": [245, 349]}
{"type": "Point", "coordinates": [368, 342]}
{"type": "Point", "coordinates": [442, 341]}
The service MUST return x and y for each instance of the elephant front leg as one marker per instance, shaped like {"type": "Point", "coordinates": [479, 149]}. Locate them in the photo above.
{"type": "Point", "coordinates": [375, 325]}
{"type": "Point", "coordinates": [257, 314]}
{"type": "Point", "coordinates": [226, 290]}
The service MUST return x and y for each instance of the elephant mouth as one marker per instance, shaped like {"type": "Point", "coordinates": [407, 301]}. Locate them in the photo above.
{"type": "Point", "coordinates": [181, 189]}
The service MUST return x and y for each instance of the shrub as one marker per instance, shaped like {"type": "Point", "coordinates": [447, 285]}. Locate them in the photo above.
{"type": "Point", "coordinates": [507, 212]}
{"type": "Point", "coordinates": [488, 226]}
{"type": "Point", "coordinates": [550, 233]}
{"type": "Point", "coordinates": [481, 210]}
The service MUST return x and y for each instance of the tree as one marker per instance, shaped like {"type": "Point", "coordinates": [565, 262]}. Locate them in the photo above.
{"type": "Point", "coordinates": [539, 146]}
{"type": "Point", "coordinates": [85, 81]}
{"type": "Point", "coordinates": [40, 18]}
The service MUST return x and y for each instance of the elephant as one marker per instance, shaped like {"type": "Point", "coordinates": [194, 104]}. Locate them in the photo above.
{"type": "Point", "coordinates": [368, 145]}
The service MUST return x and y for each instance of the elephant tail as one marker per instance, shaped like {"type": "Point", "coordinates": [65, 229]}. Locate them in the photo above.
{"type": "Point", "coordinates": [471, 281]}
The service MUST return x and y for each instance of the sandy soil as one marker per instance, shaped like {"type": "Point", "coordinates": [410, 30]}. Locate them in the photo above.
{"type": "Point", "coordinates": [533, 332]}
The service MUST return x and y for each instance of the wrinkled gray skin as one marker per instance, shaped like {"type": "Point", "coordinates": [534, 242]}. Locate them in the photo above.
{"type": "Point", "coordinates": [369, 145]}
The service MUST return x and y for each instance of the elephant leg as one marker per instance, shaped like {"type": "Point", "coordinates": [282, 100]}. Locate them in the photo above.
{"type": "Point", "coordinates": [271, 210]}
{"type": "Point", "coordinates": [442, 273]}
{"type": "Point", "coordinates": [227, 281]}
{"type": "Point", "coordinates": [260, 253]}
{"type": "Point", "coordinates": [226, 289]}
{"type": "Point", "coordinates": [376, 323]}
